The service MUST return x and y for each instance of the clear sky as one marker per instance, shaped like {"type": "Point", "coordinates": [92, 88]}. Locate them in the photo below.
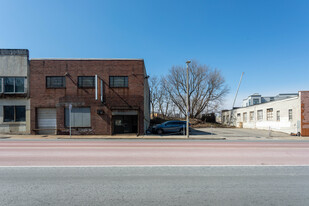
{"type": "Point", "coordinates": [266, 39]}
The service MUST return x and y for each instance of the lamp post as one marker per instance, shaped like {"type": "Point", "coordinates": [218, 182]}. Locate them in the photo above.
{"type": "Point", "coordinates": [188, 62]}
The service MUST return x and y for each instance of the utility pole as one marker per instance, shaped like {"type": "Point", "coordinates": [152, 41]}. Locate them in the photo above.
{"type": "Point", "coordinates": [188, 113]}
{"type": "Point", "coordinates": [70, 113]}
{"type": "Point", "coordinates": [235, 98]}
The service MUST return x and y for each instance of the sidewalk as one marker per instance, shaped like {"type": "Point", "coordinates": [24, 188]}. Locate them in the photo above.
{"type": "Point", "coordinates": [197, 134]}
{"type": "Point", "coordinates": [38, 137]}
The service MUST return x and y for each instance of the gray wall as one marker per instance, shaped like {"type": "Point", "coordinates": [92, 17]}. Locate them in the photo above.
{"type": "Point", "coordinates": [15, 63]}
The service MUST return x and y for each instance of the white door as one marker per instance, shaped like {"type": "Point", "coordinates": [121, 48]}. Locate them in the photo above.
{"type": "Point", "coordinates": [47, 120]}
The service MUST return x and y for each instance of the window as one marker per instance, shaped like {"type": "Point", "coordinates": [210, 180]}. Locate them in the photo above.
{"type": "Point", "coordinates": [251, 116]}
{"type": "Point", "coordinates": [9, 84]}
{"type": "Point", "coordinates": [118, 81]}
{"type": "Point", "coordinates": [260, 115]}
{"type": "Point", "coordinates": [269, 114]}
{"type": "Point", "coordinates": [86, 82]}
{"type": "Point", "coordinates": [80, 117]}
{"type": "Point", "coordinates": [13, 84]}
{"type": "Point", "coordinates": [1, 80]}
{"type": "Point", "coordinates": [55, 82]}
{"type": "Point", "coordinates": [245, 116]}
{"type": "Point", "coordinates": [14, 113]}
{"type": "Point", "coordinates": [278, 115]}
{"type": "Point", "coordinates": [238, 117]}
{"type": "Point", "coordinates": [19, 85]}
{"type": "Point", "coordinates": [290, 114]}
{"type": "Point", "coordinates": [256, 101]}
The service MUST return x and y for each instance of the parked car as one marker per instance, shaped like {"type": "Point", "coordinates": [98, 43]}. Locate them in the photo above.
{"type": "Point", "coordinates": [170, 127]}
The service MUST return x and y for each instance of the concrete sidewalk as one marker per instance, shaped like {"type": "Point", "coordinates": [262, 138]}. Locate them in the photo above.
{"type": "Point", "coordinates": [197, 133]}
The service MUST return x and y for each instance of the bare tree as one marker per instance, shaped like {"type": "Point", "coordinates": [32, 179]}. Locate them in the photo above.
{"type": "Point", "coordinates": [206, 88]}
{"type": "Point", "coordinates": [164, 101]}
{"type": "Point", "coordinates": [154, 92]}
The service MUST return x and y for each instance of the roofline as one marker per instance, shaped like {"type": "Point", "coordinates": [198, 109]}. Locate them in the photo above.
{"type": "Point", "coordinates": [87, 59]}
{"type": "Point", "coordinates": [279, 100]}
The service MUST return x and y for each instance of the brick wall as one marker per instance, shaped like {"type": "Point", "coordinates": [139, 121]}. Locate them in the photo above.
{"type": "Point", "coordinates": [304, 113]}
{"type": "Point", "coordinates": [125, 98]}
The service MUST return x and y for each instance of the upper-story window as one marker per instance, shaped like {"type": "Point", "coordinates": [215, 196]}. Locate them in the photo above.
{"type": "Point", "coordinates": [86, 81]}
{"type": "Point", "coordinates": [12, 84]}
{"type": "Point", "coordinates": [256, 101]}
{"type": "Point", "coordinates": [55, 82]}
{"type": "Point", "coordinates": [118, 81]}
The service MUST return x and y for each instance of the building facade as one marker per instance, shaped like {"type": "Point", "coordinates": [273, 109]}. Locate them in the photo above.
{"type": "Point", "coordinates": [90, 96]}
{"type": "Point", "coordinates": [289, 115]}
{"type": "Point", "coordinates": [14, 91]}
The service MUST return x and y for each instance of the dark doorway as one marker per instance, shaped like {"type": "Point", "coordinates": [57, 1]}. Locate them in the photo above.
{"type": "Point", "coordinates": [124, 124]}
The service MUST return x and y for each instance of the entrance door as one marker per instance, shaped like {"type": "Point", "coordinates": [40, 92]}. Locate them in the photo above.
{"type": "Point", "coordinates": [47, 120]}
{"type": "Point", "coordinates": [124, 124]}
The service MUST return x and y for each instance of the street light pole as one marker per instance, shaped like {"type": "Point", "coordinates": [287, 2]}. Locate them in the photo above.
{"type": "Point", "coordinates": [188, 62]}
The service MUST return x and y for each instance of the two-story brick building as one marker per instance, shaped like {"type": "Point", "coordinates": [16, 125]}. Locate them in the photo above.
{"type": "Point", "coordinates": [108, 96]}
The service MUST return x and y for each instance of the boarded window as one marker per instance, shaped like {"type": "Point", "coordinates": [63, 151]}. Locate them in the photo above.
{"type": "Point", "coordinates": [116, 81]}
{"type": "Point", "coordinates": [86, 82]}
{"type": "Point", "coordinates": [80, 117]}
{"type": "Point", "coordinates": [260, 115]}
{"type": "Point", "coordinates": [14, 113]}
{"type": "Point", "coordinates": [55, 82]}
{"type": "Point", "coordinates": [251, 116]}
{"type": "Point", "coordinates": [245, 117]}
{"type": "Point", "coordinates": [269, 114]}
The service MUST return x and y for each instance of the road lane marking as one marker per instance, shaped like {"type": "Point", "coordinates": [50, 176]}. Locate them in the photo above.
{"type": "Point", "coordinates": [108, 166]}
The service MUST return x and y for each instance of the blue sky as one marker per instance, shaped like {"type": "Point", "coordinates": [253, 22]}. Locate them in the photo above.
{"type": "Point", "coordinates": [268, 40]}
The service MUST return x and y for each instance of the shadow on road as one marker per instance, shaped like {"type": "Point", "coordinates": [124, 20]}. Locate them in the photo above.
{"type": "Point", "coordinates": [192, 132]}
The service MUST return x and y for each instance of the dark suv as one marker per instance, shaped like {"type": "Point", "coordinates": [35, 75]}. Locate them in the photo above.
{"type": "Point", "coordinates": [170, 127]}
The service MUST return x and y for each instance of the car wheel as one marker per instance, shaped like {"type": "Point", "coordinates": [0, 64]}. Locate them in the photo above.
{"type": "Point", "coordinates": [160, 131]}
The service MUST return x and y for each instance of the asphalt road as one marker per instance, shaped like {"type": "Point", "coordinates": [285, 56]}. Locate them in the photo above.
{"type": "Point", "coordinates": [121, 152]}
{"type": "Point", "coordinates": [241, 185]}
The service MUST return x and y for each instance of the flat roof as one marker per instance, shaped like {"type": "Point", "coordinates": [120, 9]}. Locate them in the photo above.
{"type": "Point", "coordinates": [87, 59]}
{"type": "Point", "coordinates": [14, 52]}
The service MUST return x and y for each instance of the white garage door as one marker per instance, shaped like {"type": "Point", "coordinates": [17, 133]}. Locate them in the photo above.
{"type": "Point", "coordinates": [47, 120]}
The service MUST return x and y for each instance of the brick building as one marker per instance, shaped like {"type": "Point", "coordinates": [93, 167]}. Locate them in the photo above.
{"type": "Point", "coordinates": [108, 96]}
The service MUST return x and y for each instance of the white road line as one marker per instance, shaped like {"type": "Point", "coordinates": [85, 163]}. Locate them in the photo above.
{"type": "Point", "coordinates": [108, 166]}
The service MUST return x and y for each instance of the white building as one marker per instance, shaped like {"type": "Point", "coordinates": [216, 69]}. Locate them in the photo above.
{"type": "Point", "coordinates": [258, 99]}
{"type": "Point", "coordinates": [289, 115]}
{"type": "Point", "coordinates": [14, 94]}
